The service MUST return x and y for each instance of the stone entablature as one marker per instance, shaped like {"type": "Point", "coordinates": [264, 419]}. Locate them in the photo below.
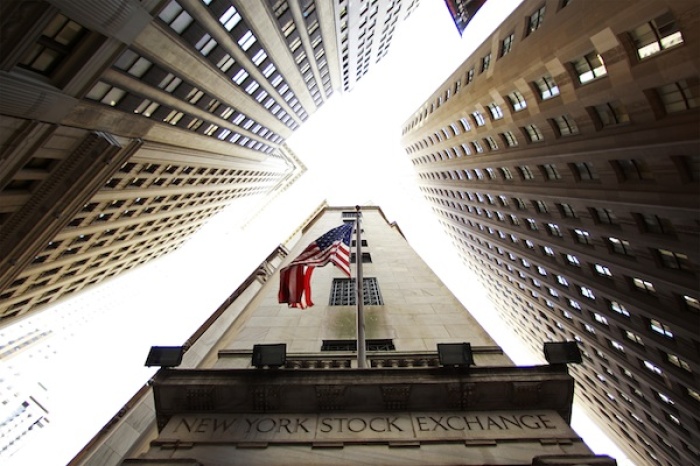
{"type": "Point", "coordinates": [253, 391]}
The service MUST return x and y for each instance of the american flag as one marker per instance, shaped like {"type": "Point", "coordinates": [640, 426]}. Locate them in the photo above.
{"type": "Point", "coordinates": [295, 279]}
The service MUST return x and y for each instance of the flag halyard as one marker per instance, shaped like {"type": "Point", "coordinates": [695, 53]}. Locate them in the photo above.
{"type": "Point", "coordinates": [295, 279]}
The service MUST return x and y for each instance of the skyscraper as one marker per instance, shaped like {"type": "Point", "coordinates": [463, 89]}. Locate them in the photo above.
{"type": "Point", "coordinates": [311, 403]}
{"type": "Point", "coordinates": [562, 159]}
{"type": "Point", "coordinates": [126, 125]}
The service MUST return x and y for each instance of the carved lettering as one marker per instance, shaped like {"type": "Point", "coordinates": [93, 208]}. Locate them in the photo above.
{"type": "Point", "coordinates": [359, 424]}
{"type": "Point", "coordinates": [438, 422]}
{"type": "Point", "coordinates": [186, 424]}
{"type": "Point", "coordinates": [431, 425]}
{"type": "Point", "coordinates": [545, 422]}
{"type": "Point", "coordinates": [372, 425]}
{"type": "Point", "coordinates": [223, 424]}
{"type": "Point", "coordinates": [325, 425]}
{"type": "Point", "coordinates": [392, 423]}
{"type": "Point", "coordinates": [421, 421]}
{"type": "Point", "coordinates": [449, 423]}
{"type": "Point", "coordinates": [475, 420]}
{"type": "Point", "coordinates": [300, 425]}
{"type": "Point", "coordinates": [203, 425]}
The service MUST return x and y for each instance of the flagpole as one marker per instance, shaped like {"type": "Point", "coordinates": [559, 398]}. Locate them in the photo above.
{"type": "Point", "coordinates": [361, 357]}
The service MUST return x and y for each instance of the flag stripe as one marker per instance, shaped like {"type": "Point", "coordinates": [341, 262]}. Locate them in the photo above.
{"type": "Point", "coordinates": [295, 279]}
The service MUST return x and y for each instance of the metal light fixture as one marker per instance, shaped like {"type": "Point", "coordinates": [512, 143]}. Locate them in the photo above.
{"type": "Point", "coordinates": [165, 356]}
{"type": "Point", "coordinates": [273, 355]}
{"type": "Point", "coordinates": [455, 354]}
{"type": "Point", "coordinates": [562, 352]}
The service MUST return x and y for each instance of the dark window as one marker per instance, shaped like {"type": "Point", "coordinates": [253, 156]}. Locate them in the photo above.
{"type": "Point", "coordinates": [56, 42]}
{"type": "Point", "coordinates": [677, 97]}
{"type": "Point", "coordinates": [507, 44]}
{"type": "Point", "coordinates": [535, 20]}
{"type": "Point", "coordinates": [632, 170]}
{"type": "Point", "coordinates": [651, 223]}
{"type": "Point", "coordinates": [351, 345]}
{"type": "Point", "coordinates": [550, 171]}
{"type": "Point", "coordinates": [604, 216]}
{"type": "Point", "coordinates": [674, 260]}
{"type": "Point", "coordinates": [485, 62]}
{"type": "Point", "coordinates": [533, 133]}
{"type": "Point", "coordinates": [565, 125]}
{"type": "Point", "coordinates": [366, 258]}
{"type": "Point", "coordinates": [610, 114]}
{"type": "Point", "coordinates": [583, 171]}
{"type": "Point", "coordinates": [567, 211]}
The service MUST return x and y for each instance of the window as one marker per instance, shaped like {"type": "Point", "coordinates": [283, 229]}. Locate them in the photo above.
{"type": "Point", "coordinates": [659, 34]}
{"type": "Point", "coordinates": [691, 303]}
{"type": "Point", "coordinates": [491, 142]}
{"type": "Point", "coordinates": [230, 18]}
{"type": "Point", "coordinates": [633, 337]}
{"type": "Point", "coordinates": [602, 270]}
{"type": "Point", "coordinates": [604, 216]}
{"type": "Point", "coordinates": [55, 44]}
{"type": "Point", "coordinates": [674, 260]}
{"type": "Point", "coordinates": [583, 171]}
{"type": "Point", "coordinates": [517, 101]}
{"type": "Point", "coordinates": [677, 97]}
{"type": "Point", "coordinates": [533, 133]}
{"type": "Point", "coordinates": [550, 171]}
{"type": "Point", "coordinates": [535, 20]}
{"type": "Point", "coordinates": [572, 260]}
{"type": "Point", "coordinates": [619, 308]}
{"type": "Point", "coordinates": [507, 44]}
{"type": "Point", "coordinates": [478, 118]}
{"type": "Point", "coordinates": [547, 87]}
{"type": "Point", "coordinates": [582, 236]}
{"type": "Point", "coordinates": [589, 67]}
{"type": "Point", "coordinates": [661, 328]}
{"type": "Point", "coordinates": [496, 112]}
{"type": "Point", "coordinates": [619, 246]}
{"type": "Point", "coordinates": [525, 173]}
{"type": "Point", "coordinates": [565, 125]}
{"type": "Point", "coordinates": [567, 211]}
{"type": "Point", "coordinates": [470, 75]}
{"type": "Point", "coordinates": [505, 173]}
{"type": "Point", "coordinates": [174, 16]}
{"type": "Point", "coordinates": [344, 292]}
{"type": "Point", "coordinates": [540, 206]}
{"type": "Point", "coordinates": [509, 138]}
{"type": "Point", "coordinates": [477, 146]}
{"type": "Point", "coordinates": [485, 62]}
{"type": "Point", "coordinates": [351, 345]}
{"type": "Point", "coordinates": [678, 362]}
{"type": "Point", "coordinates": [650, 223]}
{"type": "Point", "coordinates": [631, 170]}
{"type": "Point", "coordinates": [554, 230]}
{"type": "Point", "coordinates": [587, 292]}
{"type": "Point", "coordinates": [653, 368]}
{"type": "Point", "coordinates": [643, 285]}
{"type": "Point", "coordinates": [610, 114]}
{"type": "Point", "coordinates": [366, 258]}
{"type": "Point", "coordinates": [617, 346]}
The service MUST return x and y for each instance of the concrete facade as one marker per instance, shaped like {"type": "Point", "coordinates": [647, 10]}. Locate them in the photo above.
{"type": "Point", "coordinates": [561, 158]}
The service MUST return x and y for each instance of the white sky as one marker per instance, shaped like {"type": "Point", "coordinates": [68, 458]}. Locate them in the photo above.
{"type": "Point", "coordinates": [352, 149]}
